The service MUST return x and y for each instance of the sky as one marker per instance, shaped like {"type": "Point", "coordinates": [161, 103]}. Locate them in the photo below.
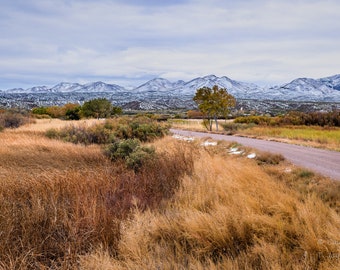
{"type": "Point", "coordinates": [128, 42]}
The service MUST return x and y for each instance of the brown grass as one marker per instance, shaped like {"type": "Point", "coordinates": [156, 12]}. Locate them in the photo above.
{"type": "Point", "coordinates": [229, 215]}
{"type": "Point", "coordinates": [64, 206]}
{"type": "Point", "coordinates": [59, 200]}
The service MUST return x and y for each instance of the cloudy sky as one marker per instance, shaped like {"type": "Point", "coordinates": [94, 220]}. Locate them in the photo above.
{"type": "Point", "coordinates": [127, 42]}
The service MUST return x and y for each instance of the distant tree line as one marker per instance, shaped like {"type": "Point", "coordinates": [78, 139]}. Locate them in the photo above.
{"type": "Point", "coordinates": [95, 108]}
{"type": "Point", "coordinates": [330, 119]}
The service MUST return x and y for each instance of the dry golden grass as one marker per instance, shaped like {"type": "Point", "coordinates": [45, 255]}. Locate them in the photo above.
{"type": "Point", "coordinates": [29, 153]}
{"type": "Point", "coordinates": [230, 214]}
{"type": "Point", "coordinates": [50, 200]}
{"type": "Point", "coordinates": [59, 200]}
{"type": "Point", "coordinates": [41, 125]}
{"type": "Point", "coordinates": [64, 206]}
{"type": "Point", "coordinates": [196, 125]}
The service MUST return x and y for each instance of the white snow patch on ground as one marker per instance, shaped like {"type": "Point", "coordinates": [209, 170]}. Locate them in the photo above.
{"type": "Point", "coordinates": [235, 151]}
{"type": "Point", "coordinates": [206, 143]}
{"type": "Point", "coordinates": [251, 156]}
{"type": "Point", "coordinates": [183, 138]}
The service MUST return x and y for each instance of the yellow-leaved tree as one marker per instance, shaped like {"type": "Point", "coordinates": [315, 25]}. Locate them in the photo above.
{"type": "Point", "coordinates": [214, 103]}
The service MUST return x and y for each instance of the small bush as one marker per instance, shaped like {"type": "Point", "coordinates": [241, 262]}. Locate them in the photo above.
{"type": "Point", "coordinates": [139, 157]}
{"type": "Point", "coordinates": [52, 133]}
{"type": "Point", "coordinates": [131, 152]}
{"type": "Point", "coordinates": [146, 129]}
{"type": "Point", "coordinates": [12, 120]}
{"type": "Point", "coordinates": [156, 180]}
{"type": "Point", "coordinates": [232, 128]}
{"type": "Point", "coordinates": [82, 135]}
{"type": "Point", "coordinates": [305, 174]}
{"type": "Point", "coordinates": [269, 158]}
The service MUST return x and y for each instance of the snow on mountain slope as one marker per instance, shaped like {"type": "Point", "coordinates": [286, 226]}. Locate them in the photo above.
{"type": "Point", "coordinates": [332, 81]}
{"type": "Point", "coordinates": [15, 90]}
{"type": "Point", "coordinates": [304, 89]}
{"type": "Point", "coordinates": [38, 89]}
{"type": "Point", "coordinates": [238, 89]}
{"type": "Point", "coordinates": [155, 85]}
{"type": "Point", "coordinates": [102, 87]}
{"type": "Point", "coordinates": [67, 87]}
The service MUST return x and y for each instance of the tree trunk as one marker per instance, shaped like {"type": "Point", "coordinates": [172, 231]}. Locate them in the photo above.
{"type": "Point", "coordinates": [216, 123]}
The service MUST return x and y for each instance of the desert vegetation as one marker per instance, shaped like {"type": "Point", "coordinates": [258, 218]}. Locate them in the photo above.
{"type": "Point", "coordinates": [12, 119]}
{"type": "Point", "coordinates": [69, 203]}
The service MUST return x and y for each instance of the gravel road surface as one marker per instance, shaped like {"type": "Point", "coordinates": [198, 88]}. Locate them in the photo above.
{"type": "Point", "coordinates": [321, 161]}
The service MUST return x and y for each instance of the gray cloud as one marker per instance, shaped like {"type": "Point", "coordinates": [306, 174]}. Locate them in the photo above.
{"type": "Point", "coordinates": [45, 41]}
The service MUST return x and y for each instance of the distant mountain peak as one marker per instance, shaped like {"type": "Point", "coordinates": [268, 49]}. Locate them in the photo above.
{"type": "Point", "coordinates": [210, 77]}
{"type": "Point", "coordinates": [156, 84]}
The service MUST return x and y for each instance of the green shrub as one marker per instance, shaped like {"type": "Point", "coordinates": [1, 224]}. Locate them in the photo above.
{"type": "Point", "coordinates": [139, 157]}
{"type": "Point", "coordinates": [82, 135]}
{"type": "Point", "coordinates": [52, 133]}
{"type": "Point", "coordinates": [123, 131]}
{"type": "Point", "coordinates": [131, 152]}
{"type": "Point", "coordinates": [142, 128]}
{"type": "Point", "coordinates": [305, 174]}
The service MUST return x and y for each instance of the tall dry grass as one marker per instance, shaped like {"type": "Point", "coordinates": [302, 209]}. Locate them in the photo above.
{"type": "Point", "coordinates": [229, 214]}
{"type": "Point", "coordinates": [195, 124]}
{"type": "Point", "coordinates": [65, 206]}
{"type": "Point", "coordinates": [59, 200]}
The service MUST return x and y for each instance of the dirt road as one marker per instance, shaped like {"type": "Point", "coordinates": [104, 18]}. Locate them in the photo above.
{"type": "Point", "coordinates": [321, 161]}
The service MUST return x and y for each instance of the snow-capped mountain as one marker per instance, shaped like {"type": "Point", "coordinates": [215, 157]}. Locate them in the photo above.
{"type": "Point", "coordinates": [15, 90]}
{"type": "Point", "coordinates": [67, 87]}
{"type": "Point", "coordinates": [238, 89]}
{"type": "Point", "coordinates": [101, 87]}
{"type": "Point", "coordinates": [38, 89]}
{"type": "Point", "coordinates": [155, 85]}
{"type": "Point", "coordinates": [332, 81]}
{"type": "Point", "coordinates": [306, 89]}
{"type": "Point", "coordinates": [163, 91]}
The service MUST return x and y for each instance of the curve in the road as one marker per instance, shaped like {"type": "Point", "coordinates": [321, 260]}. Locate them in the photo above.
{"type": "Point", "coordinates": [321, 161]}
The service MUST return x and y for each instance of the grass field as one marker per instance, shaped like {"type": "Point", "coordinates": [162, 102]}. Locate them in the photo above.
{"type": "Point", "coordinates": [65, 206]}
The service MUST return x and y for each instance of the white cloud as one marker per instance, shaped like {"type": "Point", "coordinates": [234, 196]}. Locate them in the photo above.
{"type": "Point", "coordinates": [250, 40]}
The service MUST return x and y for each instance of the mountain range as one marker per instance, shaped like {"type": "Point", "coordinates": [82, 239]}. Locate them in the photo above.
{"type": "Point", "coordinates": [303, 94]}
{"type": "Point", "coordinates": [302, 89]}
